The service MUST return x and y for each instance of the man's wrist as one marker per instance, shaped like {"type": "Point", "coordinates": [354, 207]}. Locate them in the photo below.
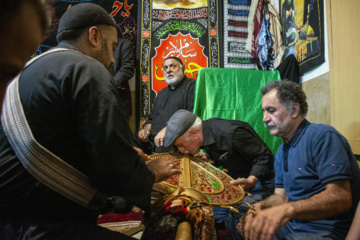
{"type": "Point", "coordinates": [153, 172]}
{"type": "Point", "coordinates": [289, 210]}
{"type": "Point", "coordinates": [253, 179]}
{"type": "Point", "coordinates": [257, 207]}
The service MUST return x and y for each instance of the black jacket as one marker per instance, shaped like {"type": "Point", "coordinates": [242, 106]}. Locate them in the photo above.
{"type": "Point", "coordinates": [72, 106]}
{"type": "Point", "coordinates": [238, 148]}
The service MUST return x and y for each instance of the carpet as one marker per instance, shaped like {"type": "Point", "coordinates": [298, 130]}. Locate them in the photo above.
{"type": "Point", "coordinates": [129, 223]}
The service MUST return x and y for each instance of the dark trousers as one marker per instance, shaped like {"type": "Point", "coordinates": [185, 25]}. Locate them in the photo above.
{"type": "Point", "coordinates": [224, 218]}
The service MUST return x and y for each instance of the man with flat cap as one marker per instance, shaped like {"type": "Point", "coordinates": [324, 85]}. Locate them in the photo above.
{"type": "Point", "coordinates": [178, 95]}
{"type": "Point", "coordinates": [66, 149]}
{"type": "Point", "coordinates": [231, 144]}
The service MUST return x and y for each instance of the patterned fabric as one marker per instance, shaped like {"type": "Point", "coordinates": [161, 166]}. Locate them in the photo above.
{"type": "Point", "coordinates": [275, 32]}
{"type": "Point", "coordinates": [179, 215]}
{"type": "Point", "coordinates": [258, 18]}
{"type": "Point", "coordinates": [303, 33]}
{"type": "Point", "coordinates": [213, 183]}
{"type": "Point", "coordinates": [124, 12]}
{"type": "Point", "coordinates": [236, 25]}
{"type": "Point", "coordinates": [266, 56]}
{"type": "Point", "coordinates": [249, 40]}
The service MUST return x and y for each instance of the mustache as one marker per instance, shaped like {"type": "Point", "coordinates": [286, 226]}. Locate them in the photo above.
{"type": "Point", "coordinates": [270, 124]}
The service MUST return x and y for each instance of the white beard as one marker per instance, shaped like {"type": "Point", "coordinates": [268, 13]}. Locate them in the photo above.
{"type": "Point", "coordinates": [173, 82]}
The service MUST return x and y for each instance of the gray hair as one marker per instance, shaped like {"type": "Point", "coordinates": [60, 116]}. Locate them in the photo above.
{"type": "Point", "coordinates": [288, 93]}
{"type": "Point", "coordinates": [196, 125]}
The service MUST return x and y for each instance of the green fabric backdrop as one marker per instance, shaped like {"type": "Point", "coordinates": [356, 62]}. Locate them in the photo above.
{"type": "Point", "coordinates": [234, 94]}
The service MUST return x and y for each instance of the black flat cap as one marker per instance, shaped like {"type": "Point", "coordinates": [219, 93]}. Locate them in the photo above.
{"type": "Point", "coordinates": [84, 15]}
{"type": "Point", "coordinates": [177, 125]}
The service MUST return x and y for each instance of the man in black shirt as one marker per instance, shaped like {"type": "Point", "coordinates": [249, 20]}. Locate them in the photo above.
{"type": "Point", "coordinates": [178, 95]}
{"type": "Point", "coordinates": [231, 144]}
{"type": "Point", "coordinates": [73, 110]}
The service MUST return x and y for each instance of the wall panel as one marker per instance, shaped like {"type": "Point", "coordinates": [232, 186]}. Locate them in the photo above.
{"type": "Point", "coordinates": [344, 53]}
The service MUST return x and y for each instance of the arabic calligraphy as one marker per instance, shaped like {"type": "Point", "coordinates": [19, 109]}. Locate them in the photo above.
{"type": "Point", "coordinates": [238, 12]}
{"type": "Point", "coordinates": [179, 14]}
{"type": "Point", "coordinates": [237, 47]}
{"type": "Point", "coordinates": [179, 51]}
{"type": "Point", "coordinates": [145, 99]}
{"type": "Point", "coordinates": [185, 47]}
{"type": "Point", "coordinates": [238, 34]}
{"type": "Point", "coordinates": [241, 60]}
{"type": "Point", "coordinates": [176, 25]}
{"type": "Point", "coordinates": [118, 5]}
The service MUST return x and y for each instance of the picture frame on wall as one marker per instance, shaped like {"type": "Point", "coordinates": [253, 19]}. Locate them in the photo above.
{"type": "Point", "coordinates": [303, 31]}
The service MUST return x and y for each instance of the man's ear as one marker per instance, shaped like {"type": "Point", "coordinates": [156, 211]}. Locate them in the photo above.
{"type": "Point", "coordinates": [94, 36]}
{"type": "Point", "coordinates": [295, 110]}
{"type": "Point", "coordinates": [192, 133]}
{"type": "Point", "coordinates": [183, 68]}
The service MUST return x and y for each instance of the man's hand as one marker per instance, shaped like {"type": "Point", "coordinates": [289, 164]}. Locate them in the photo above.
{"type": "Point", "coordinates": [159, 138]}
{"type": "Point", "coordinates": [245, 183]}
{"type": "Point", "coordinates": [143, 133]}
{"type": "Point", "coordinates": [202, 155]}
{"type": "Point", "coordinates": [264, 223]}
{"type": "Point", "coordinates": [163, 168]}
{"type": "Point", "coordinates": [247, 217]}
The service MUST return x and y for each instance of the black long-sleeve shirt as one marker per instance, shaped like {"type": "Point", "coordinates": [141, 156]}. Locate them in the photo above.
{"type": "Point", "coordinates": [237, 147]}
{"type": "Point", "coordinates": [72, 106]}
{"type": "Point", "coordinates": [168, 101]}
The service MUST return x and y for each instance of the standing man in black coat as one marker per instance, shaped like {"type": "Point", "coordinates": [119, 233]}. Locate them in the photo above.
{"type": "Point", "coordinates": [123, 70]}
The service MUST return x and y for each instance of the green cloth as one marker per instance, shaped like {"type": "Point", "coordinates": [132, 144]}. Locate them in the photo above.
{"type": "Point", "coordinates": [234, 94]}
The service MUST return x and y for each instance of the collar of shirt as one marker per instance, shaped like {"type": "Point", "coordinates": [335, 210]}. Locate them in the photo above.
{"type": "Point", "coordinates": [207, 134]}
{"type": "Point", "coordinates": [177, 86]}
{"type": "Point", "coordinates": [299, 132]}
{"type": "Point", "coordinates": [66, 45]}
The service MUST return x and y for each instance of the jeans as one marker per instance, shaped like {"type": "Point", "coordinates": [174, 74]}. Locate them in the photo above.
{"type": "Point", "coordinates": [225, 218]}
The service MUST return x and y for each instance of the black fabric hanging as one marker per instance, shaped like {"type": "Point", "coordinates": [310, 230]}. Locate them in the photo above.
{"type": "Point", "coordinates": [289, 69]}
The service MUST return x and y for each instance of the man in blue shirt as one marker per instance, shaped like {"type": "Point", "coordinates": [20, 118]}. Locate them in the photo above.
{"type": "Point", "coordinates": [316, 174]}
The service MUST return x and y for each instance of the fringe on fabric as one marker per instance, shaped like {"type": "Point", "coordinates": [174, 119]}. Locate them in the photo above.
{"type": "Point", "coordinates": [167, 212]}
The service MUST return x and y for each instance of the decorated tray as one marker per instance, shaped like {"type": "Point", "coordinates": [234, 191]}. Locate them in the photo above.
{"type": "Point", "coordinates": [202, 177]}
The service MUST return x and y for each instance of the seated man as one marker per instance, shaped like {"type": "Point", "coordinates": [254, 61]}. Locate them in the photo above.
{"type": "Point", "coordinates": [317, 179]}
{"type": "Point", "coordinates": [178, 95]}
{"type": "Point", "coordinates": [229, 143]}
